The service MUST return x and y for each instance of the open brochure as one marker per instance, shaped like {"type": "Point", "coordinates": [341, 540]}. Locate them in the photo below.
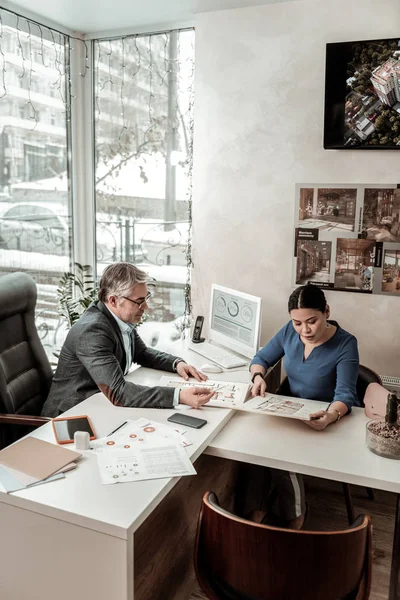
{"type": "Point", "coordinates": [284, 406]}
{"type": "Point", "coordinates": [237, 396]}
{"type": "Point", "coordinates": [227, 394]}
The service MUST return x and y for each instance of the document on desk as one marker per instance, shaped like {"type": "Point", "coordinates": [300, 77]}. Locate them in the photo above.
{"type": "Point", "coordinates": [227, 394]}
{"type": "Point", "coordinates": [237, 396]}
{"type": "Point", "coordinates": [12, 480]}
{"type": "Point", "coordinates": [144, 462]}
{"type": "Point", "coordinates": [141, 432]}
{"type": "Point", "coordinates": [284, 406]}
{"type": "Point", "coordinates": [36, 457]}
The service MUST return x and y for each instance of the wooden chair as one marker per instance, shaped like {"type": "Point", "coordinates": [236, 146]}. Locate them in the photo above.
{"type": "Point", "coordinates": [365, 377]}
{"type": "Point", "coordinates": [237, 559]}
{"type": "Point", "coordinates": [25, 372]}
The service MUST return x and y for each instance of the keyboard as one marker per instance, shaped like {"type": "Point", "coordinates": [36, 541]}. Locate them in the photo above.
{"type": "Point", "coordinates": [218, 355]}
{"type": "Point", "coordinates": [389, 380]}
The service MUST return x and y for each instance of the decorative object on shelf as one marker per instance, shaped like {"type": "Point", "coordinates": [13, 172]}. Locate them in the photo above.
{"type": "Point", "coordinates": [383, 436]}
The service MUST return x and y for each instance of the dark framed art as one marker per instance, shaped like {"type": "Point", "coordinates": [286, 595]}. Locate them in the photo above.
{"type": "Point", "coordinates": [362, 95]}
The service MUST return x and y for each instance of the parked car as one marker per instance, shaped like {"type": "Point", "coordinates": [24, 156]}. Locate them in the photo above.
{"type": "Point", "coordinates": [46, 228]}
{"type": "Point", "coordinates": [34, 228]}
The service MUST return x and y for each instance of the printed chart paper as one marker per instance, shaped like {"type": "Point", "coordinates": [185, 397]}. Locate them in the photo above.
{"type": "Point", "coordinates": [141, 432]}
{"type": "Point", "coordinates": [141, 462]}
{"type": "Point", "coordinates": [142, 449]}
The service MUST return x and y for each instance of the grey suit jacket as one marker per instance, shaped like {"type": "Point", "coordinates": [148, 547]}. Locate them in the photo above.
{"type": "Point", "coordinates": [93, 359]}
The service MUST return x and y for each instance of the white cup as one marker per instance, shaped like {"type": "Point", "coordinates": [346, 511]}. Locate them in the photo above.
{"type": "Point", "coordinates": [81, 439]}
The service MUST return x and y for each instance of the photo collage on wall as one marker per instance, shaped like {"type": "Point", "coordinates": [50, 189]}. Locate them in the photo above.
{"type": "Point", "coordinates": [347, 237]}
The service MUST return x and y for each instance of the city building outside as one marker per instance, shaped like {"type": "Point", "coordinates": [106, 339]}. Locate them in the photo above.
{"type": "Point", "coordinates": [142, 164]}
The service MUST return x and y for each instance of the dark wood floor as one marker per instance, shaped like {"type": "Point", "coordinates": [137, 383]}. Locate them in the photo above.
{"type": "Point", "coordinates": [327, 511]}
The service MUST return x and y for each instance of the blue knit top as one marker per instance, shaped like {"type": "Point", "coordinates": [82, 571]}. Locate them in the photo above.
{"type": "Point", "coordinates": [329, 373]}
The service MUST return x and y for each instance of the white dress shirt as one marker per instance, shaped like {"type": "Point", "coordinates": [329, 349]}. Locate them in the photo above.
{"type": "Point", "coordinates": [127, 338]}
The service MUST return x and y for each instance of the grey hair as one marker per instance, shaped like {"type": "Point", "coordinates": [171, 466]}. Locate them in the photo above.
{"type": "Point", "coordinates": [119, 278]}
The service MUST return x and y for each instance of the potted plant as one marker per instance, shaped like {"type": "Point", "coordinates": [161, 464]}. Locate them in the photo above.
{"type": "Point", "coordinates": [75, 292]}
{"type": "Point", "coordinates": [383, 436]}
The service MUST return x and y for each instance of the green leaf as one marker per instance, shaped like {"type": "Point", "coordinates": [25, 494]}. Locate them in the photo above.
{"type": "Point", "coordinates": [75, 292]}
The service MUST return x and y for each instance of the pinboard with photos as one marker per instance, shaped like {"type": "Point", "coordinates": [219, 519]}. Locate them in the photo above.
{"type": "Point", "coordinates": [347, 237]}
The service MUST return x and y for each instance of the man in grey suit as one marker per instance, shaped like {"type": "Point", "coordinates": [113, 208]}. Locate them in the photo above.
{"type": "Point", "coordinates": [101, 346]}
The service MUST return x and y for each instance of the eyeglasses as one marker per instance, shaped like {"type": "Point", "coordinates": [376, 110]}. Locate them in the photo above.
{"type": "Point", "coordinates": [139, 304]}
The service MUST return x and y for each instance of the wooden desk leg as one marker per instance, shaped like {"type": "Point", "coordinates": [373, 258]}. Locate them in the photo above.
{"type": "Point", "coordinates": [394, 586]}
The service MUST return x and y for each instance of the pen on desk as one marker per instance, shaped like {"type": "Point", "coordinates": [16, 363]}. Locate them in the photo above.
{"type": "Point", "coordinates": [119, 427]}
{"type": "Point", "coordinates": [220, 387]}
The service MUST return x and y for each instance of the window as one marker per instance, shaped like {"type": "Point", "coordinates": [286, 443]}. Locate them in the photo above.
{"type": "Point", "coordinates": [143, 95]}
{"type": "Point", "coordinates": [35, 217]}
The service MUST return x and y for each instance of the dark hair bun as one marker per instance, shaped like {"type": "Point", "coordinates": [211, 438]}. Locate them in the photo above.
{"type": "Point", "coordinates": [307, 296]}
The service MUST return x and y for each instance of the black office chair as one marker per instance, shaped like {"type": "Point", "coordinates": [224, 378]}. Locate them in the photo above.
{"type": "Point", "coordinates": [25, 372]}
{"type": "Point", "coordinates": [365, 377]}
{"type": "Point", "coordinates": [236, 559]}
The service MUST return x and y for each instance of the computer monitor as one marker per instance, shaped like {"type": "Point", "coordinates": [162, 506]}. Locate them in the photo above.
{"type": "Point", "coordinates": [235, 320]}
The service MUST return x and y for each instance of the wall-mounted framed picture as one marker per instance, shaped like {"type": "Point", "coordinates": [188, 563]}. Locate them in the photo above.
{"type": "Point", "coordinates": [347, 237]}
{"type": "Point", "coordinates": [362, 95]}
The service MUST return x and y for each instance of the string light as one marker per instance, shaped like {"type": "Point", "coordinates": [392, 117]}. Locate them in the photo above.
{"type": "Point", "coordinates": [20, 49]}
{"type": "Point", "coordinates": [123, 128]}
{"type": "Point", "coordinates": [3, 60]}
{"type": "Point", "coordinates": [31, 45]}
{"type": "Point", "coordinates": [132, 75]}
{"type": "Point", "coordinates": [128, 128]}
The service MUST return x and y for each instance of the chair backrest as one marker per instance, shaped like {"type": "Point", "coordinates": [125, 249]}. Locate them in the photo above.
{"type": "Point", "coordinates": [237, 559]}
{"type": "Point", "coordinates": [365, 377]}
{"type": "Point", "coordinates": [375, 401]}
{"type": "Point", "coordinates": [25, 372]}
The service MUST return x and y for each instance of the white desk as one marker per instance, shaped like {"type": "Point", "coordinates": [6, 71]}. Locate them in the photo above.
{"type": "Point", "coordinates": [78, 528]}
{"type": "Point", "coordinates": [85, 531]}
{"type": "Point", "coordinates": [338, 453]}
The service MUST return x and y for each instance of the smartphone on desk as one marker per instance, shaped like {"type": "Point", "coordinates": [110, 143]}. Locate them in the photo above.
{"type": "Point", "coordinates": [187, 421]}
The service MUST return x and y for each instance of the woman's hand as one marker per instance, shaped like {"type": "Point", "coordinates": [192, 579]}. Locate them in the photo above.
{"type": "Point", "coordinates": [259, 387]}
{"type": "Point", "coordinates": [322, 419]}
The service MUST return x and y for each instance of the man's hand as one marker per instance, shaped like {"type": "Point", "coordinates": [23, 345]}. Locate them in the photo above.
{"type": "Point", "coordinates": [322, 419]}
{"type": "Point", "coordinates": [259, 387]}
{"type": "Point", "coordinates": [186, 371]}
{"type": "Point", "coordinates": [195, 396]}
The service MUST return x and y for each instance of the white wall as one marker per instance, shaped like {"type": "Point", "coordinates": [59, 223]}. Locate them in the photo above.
{"type": "Point", "coordinates": [258, 131]}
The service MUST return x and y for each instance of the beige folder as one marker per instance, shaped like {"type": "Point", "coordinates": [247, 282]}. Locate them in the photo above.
{"type": "Point", "coordinates": [36, 457]}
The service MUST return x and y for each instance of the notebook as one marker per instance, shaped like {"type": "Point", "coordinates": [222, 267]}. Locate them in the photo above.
{"type": "Point", "coordinates": [37, 458]}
